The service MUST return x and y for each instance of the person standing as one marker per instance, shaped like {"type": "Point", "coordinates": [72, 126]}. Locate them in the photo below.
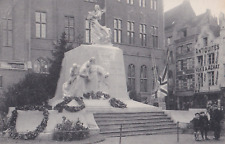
{"type": "Point", "coordinates": [216, 119]}
{"type": "Point", "coordinates": [196, 126]}
{"type": "Point", "coordinates": [204, 125]}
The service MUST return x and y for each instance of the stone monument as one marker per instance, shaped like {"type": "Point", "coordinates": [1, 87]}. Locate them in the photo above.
{"type": "Point", "coordinates": [88, 68]}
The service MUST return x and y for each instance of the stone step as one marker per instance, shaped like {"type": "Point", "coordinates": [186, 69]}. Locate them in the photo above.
{"type": "Point", "coordinates": [141, 123]}
{"type": "Point", "coordinates": [135, 133]}
{"type": "Point", "coordinates": [133, 119]}
{"type": "Point", "coordinates": [133, 122]}
{"type": "Point", "coordinates": [129, 114]}
{"type": "Point", "coordinates": [136, 127]}
{"type": "Point", "coordinates": [130, 118]}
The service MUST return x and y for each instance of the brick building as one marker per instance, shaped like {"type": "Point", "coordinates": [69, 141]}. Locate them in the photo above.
{"type": "Point", "coordinates": [29, 28]}
{"type": "Point", "coordinates": [185, 33]}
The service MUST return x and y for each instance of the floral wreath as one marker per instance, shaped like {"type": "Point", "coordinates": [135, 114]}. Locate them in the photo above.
{"type": "Point", "coordinates": [117, 103]}
{"type": "Point", "coordinates": [63, 105]}
{"type": "Point", "coordinates": [31, 135]}
{"type": "Point", "coordinates": [97, 95]}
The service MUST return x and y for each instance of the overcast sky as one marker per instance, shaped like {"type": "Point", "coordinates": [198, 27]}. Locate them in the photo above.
{"type": "Point", "coordinates": [199, 6]}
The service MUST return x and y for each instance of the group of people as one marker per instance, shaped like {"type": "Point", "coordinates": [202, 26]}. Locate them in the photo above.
{"type": "Point", "coordinates": [205, 121]}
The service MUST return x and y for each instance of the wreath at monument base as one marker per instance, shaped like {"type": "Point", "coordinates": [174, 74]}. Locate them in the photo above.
{"type": "Point", "coordinates": [97, 95]}
{"type": "Point", "coordinates": [31, 135]}
{"type": "Point", "coordinates": [117, 103]}
{"type": "Point", "coordinates": [63, 105]}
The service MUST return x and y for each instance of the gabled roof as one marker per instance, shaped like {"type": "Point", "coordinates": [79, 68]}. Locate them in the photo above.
{"type": "Point", "coordinates": [180, 13]}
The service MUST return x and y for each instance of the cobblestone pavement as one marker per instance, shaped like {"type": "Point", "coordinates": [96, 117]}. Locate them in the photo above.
{"type": "Point", "coordinates": [146, 139]}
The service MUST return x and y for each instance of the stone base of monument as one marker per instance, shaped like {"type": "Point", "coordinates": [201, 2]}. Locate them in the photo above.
{"type": "Point", "coordinates": [29, 120]}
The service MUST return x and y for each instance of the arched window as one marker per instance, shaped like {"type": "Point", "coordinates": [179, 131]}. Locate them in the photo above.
{"type": "Point", "coordinates": [131, 76]}
{"type": "Point", "coordinates": [41, 66]}
{"type": "Point", "coordinates": [143, 79]}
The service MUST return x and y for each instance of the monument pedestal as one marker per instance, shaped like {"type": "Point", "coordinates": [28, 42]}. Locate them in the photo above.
{"type": "Point", "coordinates": [106, 56]}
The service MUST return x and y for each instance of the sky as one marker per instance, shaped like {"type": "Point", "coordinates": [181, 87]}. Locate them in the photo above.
{"type": "Point", "coordinates": [199, 6]}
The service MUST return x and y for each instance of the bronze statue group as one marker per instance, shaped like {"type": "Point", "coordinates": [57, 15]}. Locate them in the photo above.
{"type": "Point", "coordinates": [205, 121]}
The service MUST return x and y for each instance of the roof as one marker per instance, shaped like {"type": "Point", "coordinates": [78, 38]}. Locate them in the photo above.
{"type": "Point", "coordinates": [180, 13]}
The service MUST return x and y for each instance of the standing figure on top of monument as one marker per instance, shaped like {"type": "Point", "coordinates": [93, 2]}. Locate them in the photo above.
{"type": "Point", "coordinates": [67, 86]}
{"type": "Point", "coordinates": [99, 34]}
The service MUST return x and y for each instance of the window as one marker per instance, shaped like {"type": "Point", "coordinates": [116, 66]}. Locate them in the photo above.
{"type": "Point", "coordinates": [200, 80]}
{"type": "Point", "coordinates": [205, 41]}
{"type": "Point", "coordinates": [169, 40]}
{"type": "Point", "coordinates": [211, 78]}
{"type": "Point", "coordinates": [130, 32]}
{"type": "Point", "coordinates": [131, 2]}
{"type": "Point", "coordinates": [41, 66]}
{"type": "Point", "coordinates": [69, 28]}
{"type": "Point", "coordinates": [142, 3]}
{"type": "Point", "coordinates": [200, 60]}
{"type": "Point", "coordinates": [40, 19]}
{"type": "Point", "coordinates": [7, 32]}
{"type": "Point", "coordinates": [153, 4]}
{"type": "Point", "coordinates": [180, 83]}
{"type": "Point", "coordinates": [180, 49]}
{"type": "Point", "coordinates": [131, 76]}
{"type": "Point", "coordinates": [143, 79]}
{"type": "Point", "coordinates": [1, 84]}
{"type": "Point", "coordinates": [180, 65]}
{"type": "Point", "coordinates": [211, 58]}
{"type": "Point", "coordinates": [154, 31]}
{"type": "Point", "coordinates": [143, 35]}
{"type": "Point", "coordinates": [189, 46]}
{"type": "Point", "coordinates": [189, 63]}
{"type": "Point", "coordinates": [183, 33]}
{"type": "Point", "coordinates": [87, 31]}
{"type": "Point", "coordinates": [189, 82]}
{"type": "Point", "coordinates": [117, 31]}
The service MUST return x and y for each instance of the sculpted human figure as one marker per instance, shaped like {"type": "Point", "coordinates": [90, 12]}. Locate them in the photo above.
{"type": "Point", "coordinates": [99, 34]}
{"type": "Point", "coordinates": [85, 79]}
{"type": "Point", "coordinates": [74, 73]}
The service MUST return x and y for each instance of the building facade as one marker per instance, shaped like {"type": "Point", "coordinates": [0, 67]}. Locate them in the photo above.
{"type": "Point", "coordinates": [184, 36]}
{"type": "Point", "coordinates": [29, 28]}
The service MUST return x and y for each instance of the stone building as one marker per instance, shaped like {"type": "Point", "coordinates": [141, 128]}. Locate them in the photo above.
{"type": "Point", "coordinates": [185, 33]}
{"type": "Point", "coordinates": [29, 28]}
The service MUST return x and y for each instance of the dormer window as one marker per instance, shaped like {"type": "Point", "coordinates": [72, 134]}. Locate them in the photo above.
{"type": "Point", "coordinates": [205, 41]}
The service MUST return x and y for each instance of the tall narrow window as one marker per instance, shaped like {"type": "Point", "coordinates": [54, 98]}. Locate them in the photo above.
{"type": "Point", "coordinates": [7, 32]}
{"type": "Point", "coordinates": [143, 35]}
{"type": "Point", "coordinates": [189, 82]}
{"type": "Point", "coordinates": [69, 28]}
{"type": "Point", "coordinates": [189, 47]}
{"type": "Point", "coordinates": [180, 65]}
{"type": "Point", "coordinates": [130, 32]}
{"type": "Point", "coordinates": [200, 80]}
{"type": "Point", "coordinates": [87, 31]}
{"type": "Point", "coordinates": [189, 63]}
{"type": "Point", "coordinates": [40, 20]}
{"type": "Point", "coordinates": [143, 79]}
{"type": "Point", "coordinates": [131, 2]}
{"type": "Point", "coordinates": [200, 60]}
{"type": "Point", "coordinates": [131, 76]}
{"type": "Point", "coordinates": [211, 58]}
{"type": "Point", "coordinates": [117, 31]}
{"type": "Point", "coordinates": [205, 41]}
{"type": "Point", "coordinates": [142, 3]}
{"type": "Point", "coordinates": [180, 83]}
{"type": "Point", "coordinates": [211, 77]}
{"type": "Point", "coordinates": [155, 4]}
{"type": "Point", "coordinates": [1, 83]}
{"type": "Point", "coordinates": [154, 31]}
